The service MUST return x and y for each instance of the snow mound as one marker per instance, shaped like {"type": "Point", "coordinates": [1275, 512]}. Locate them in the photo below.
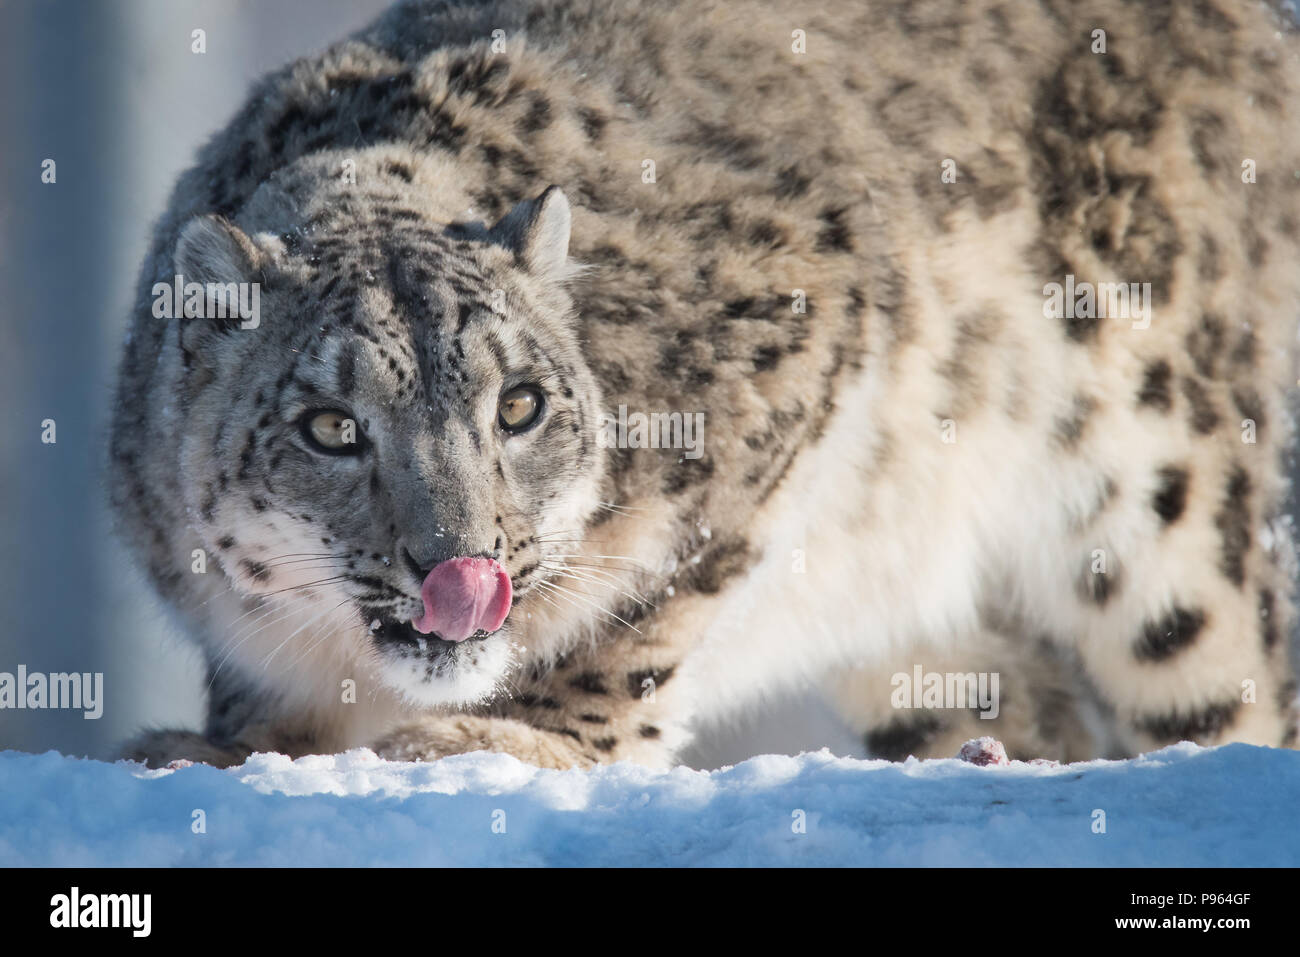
{"type": "Point", "coordinates": [1182, 806]}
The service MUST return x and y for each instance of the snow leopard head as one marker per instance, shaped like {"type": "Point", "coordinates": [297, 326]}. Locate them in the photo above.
{"type": "Point", "coordinates": [406, 430]}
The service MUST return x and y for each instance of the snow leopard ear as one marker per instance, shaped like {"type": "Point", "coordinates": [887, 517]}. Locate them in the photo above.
{"type": "Point", "coordinates": [213, 250]}
{"type": "Point", "coordinates": [218, 265]}
{"type": "Point", "coordinates": [537, 230]}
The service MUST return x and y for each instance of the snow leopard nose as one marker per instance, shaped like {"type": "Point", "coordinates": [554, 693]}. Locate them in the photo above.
{"type": "Point", "coordinates": [422, 560]}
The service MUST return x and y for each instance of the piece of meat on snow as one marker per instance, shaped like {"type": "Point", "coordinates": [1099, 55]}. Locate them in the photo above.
{"type": "Point", "coordinates": [983, 751]}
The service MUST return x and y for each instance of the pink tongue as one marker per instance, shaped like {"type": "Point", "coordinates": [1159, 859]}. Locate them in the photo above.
{"type": "Point", "coordinates": [463, 596]}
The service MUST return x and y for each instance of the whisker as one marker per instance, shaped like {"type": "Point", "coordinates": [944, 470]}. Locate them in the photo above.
{"type": "Point", "coordinates": [583, 577]}
{"type": "Point", "coordinates": [292, 607]}
{"type": "Point", "coordinates": [328, 559]}
{"type": "Point", "coordinates": [266, 662]}
{"type": "Point", "coordinates": [315, 644]}
{"type": "Point", "coordinates": [642, 566]}
{"type": "Point", "coordinates": [583, 598]}
{"type": "Point", "coordinates": [547, 598]}
{"type": "Point", "coordinates": [627, 510]}
{"type": "Point", "coordinates": [557, 598]}
{"type": "Point", "coordinates": [333, 579]}
{"type": "Point", "coordinates": [610, 570]}
{"type": "Point", "coordinates": [276, 558]}
{"type": "Point", "coordinates": [260, 606]}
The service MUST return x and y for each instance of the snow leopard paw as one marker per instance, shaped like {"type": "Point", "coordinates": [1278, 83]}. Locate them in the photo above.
{"type": "Point", "coordinates": [432, 738]}
{"type": "Point", "coordinates": [158, 749]}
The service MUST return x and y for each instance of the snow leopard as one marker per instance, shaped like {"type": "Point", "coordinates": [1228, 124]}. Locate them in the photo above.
{"type": "Point", "coordinates": [617, 366]}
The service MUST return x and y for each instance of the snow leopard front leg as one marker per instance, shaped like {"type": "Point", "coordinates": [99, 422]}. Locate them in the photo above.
{"type": "Point", "coordinates": [590, 708]}
{"type": "Point", "coordinates": [159, 748]}
{"type": "Point", "coordinates": [240, 722]}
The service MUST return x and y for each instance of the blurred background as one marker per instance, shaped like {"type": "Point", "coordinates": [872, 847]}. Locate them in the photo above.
{"type": "Point", "coordinates": [114, 95]}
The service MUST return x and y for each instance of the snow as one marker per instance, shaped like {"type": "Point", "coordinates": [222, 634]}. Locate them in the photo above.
{"type": "Point", "coordinates": [1181, 806]}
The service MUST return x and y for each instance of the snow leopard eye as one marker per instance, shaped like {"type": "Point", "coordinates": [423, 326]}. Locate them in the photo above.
{"type": "Point", "coordinates": [332, 432]}
{"type": "Point", "coordinates": [519, 408]}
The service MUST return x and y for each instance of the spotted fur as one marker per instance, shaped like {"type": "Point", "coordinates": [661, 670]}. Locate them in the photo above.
{"type": "Point", "coordinates": [904, 461]}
